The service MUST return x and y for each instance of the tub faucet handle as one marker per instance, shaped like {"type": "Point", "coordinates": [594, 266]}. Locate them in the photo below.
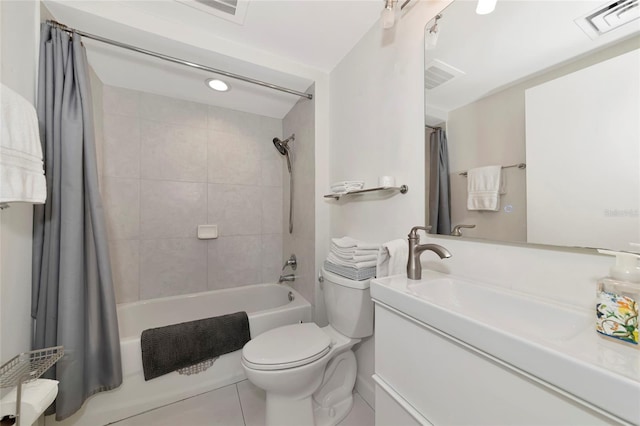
{"type": "Point", "coordinates": [293, 262]}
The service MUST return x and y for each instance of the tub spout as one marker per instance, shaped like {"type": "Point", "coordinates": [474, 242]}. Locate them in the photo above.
{"type": "Point", "coordinates": [287, 278]}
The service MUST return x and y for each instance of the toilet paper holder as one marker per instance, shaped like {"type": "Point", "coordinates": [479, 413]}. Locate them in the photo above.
{"type": "Point", "coordinates": [26, 367]}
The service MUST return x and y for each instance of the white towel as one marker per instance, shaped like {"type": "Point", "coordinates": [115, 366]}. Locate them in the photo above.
{"type": "Point", "coordinates": [351, 273]}
{"type": "Point", "coordinates": [350, 252]}
{"type": "Point", "coordinates": [483, 188]}
{"type": "Point", "coordinates": [392, 258]}
{"type": "Point", "coordinates": [348, 242]}
{"type": "Point", "coordinates": [356, 258]}
{"type": "Point", "coordinates": [348, 183]}
{"type": "Point", "coordinates": [347, 186]}
{"type": "Point", "coordinates": [36, 396]}
{"type": "Point", "coordinates": [350, 263]}
{"type": "Point", "coordinates": [21, 167]}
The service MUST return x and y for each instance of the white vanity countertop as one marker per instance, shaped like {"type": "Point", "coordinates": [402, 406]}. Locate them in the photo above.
{"type": "Point", "coordinates": [554, 342]}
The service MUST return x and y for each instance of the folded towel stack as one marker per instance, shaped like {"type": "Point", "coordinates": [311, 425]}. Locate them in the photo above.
{"type": "Point", "coordinates": [346, 186]}
{"type": "Point", "coordinates": [352, 259]}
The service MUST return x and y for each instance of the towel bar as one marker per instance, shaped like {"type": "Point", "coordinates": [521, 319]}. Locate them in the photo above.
{"type": "Point", "coordinates": [519, 165]}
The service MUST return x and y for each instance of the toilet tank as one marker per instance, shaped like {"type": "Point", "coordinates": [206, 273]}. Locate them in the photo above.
{"type": "Point", "coordinates": [349, 305]}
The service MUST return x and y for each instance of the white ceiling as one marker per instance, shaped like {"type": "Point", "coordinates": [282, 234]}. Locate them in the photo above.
{"type": "Point", "coordinates": [315, 34]}
{"type": "Point", "coordinates": [520, 38]}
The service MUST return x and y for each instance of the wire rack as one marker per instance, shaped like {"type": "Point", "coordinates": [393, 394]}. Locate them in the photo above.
{"type": "Point", "coordinates": [26, 367]}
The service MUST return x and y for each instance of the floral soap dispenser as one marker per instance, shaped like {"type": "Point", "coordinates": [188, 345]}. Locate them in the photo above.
{"type": "Point", "coordinates": [618, 296]}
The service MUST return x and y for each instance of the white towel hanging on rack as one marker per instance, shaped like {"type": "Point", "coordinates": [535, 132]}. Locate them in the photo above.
{"type": "Point", "coordinates": [484, 188]}
{"type": "Point", "coordinates": [21, 166]}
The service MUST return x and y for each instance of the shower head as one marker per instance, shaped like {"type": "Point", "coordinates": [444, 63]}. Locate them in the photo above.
{"type": "Point", "coordinates": [283, 145]}
{"type": "Point", "coordinates": [282, 148]}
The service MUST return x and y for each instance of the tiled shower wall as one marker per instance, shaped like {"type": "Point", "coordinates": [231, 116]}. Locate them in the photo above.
{"type": "Point", "coordinates": [170, 165]}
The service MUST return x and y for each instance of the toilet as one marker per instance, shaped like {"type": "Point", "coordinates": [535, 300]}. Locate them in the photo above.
{"type": "Point", "coordinates": [308, 372]}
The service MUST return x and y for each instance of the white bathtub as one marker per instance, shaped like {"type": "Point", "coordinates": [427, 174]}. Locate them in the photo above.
{"type": "Point", "coordinates": [267, 305]}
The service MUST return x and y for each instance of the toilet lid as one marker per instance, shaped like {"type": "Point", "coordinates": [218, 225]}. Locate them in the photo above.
{"type": "Point", "coordinates": [286, 347]}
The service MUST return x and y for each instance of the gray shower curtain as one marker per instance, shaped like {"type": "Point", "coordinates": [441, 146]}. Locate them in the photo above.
{"type": "Point", "coordinates": [73, 301]}
{"type": "Point", "coordinates": [439, 188]}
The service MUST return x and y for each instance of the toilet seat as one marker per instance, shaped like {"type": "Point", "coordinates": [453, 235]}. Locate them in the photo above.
{"type": "Point", "coordinates": [286, 347]}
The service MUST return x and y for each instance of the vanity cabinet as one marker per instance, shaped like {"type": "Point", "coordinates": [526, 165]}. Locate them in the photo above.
{"type": "Point", "coordinates": [425, 376]}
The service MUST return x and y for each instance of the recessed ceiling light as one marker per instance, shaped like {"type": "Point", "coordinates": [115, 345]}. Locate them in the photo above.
{"type": "Point", "coordinates": [485, 6]}
{"type": "Point", "coordinates": [218, 85]}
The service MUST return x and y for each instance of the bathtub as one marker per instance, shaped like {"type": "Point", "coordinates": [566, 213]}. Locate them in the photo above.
{"type": "Point", "coordinates": [267, 305]}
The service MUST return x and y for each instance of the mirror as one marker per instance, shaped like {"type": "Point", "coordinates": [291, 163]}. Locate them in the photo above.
{"type": "Point", "coordinates": [550, 93]}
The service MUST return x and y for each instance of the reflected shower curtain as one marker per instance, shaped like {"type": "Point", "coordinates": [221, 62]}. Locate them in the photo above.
{"type": "Point", "coordinates": [73, 301]}
{"type": "Point", "coordinates": [439, 187]}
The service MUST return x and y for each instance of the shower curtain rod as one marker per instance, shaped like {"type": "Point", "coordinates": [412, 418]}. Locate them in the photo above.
{"type": "Point", "coordinates": [179, 61]}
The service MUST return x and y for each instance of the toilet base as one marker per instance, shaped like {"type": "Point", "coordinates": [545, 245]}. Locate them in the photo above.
{"type": "Point", "coordinates": [285, 411]}
{"type": "Point", "coordinates": [334, 415]}
{"type": "Point", "coordinates": [305, 412]}
{"type": "Point", "coordinates": [331, 402]}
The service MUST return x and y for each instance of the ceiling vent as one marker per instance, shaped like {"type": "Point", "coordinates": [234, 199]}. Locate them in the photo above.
{"type": "Point", "coordinates": [231, 10]}
{"type": "Point", "coordinates": [437, 73]}
{"type": "Point", "coordinates": [609, 17]}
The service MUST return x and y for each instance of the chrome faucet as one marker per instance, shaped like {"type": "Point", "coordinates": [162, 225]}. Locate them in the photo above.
{"type": "Point", "coordinates": [414, 268]}
{"type": "Point", "coordinates": [456, 230]}
{"type": "Point", "coordinates": [287, 278]}
{"type": "Point", "coordinates": [293, 262]}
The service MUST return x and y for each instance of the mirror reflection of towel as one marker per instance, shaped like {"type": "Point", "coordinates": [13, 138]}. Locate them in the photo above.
{"type": "Point", "coordinates": [484, 186]}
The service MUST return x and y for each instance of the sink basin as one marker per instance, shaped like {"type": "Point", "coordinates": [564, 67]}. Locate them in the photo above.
{"type": "Point", "coordinates": [548, 341]}
{"type": "Point", "coordinates": [508, 311]}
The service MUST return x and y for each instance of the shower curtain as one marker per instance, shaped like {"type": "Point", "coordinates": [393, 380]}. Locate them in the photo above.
{"type": "Point", "coordinates": [439, 188]}
{"type": "Point", "coordinates": [73, 302]}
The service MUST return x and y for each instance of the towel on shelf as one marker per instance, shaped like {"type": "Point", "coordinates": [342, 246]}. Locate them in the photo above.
{"type": "Point", "coordinates": [352, 243]}
{"type": "Point", "coordinates": [365, 258]}
{"type": "Point", "coordinates": [167, 349]}
{"type": "Point", "coordinates": [331, 257]}
{"type": "Point", "coordinates": [392, 258]}
{"type": "Point", "coordinates": [346, 186]}
{"type": "Point", "coordinates": [350, 252]}
{"type": "Point", "coordinates": [21, 166]}
{"type": "Point", "coordinates": [484, 188]}
{"type": "Point", "coordinates": [351, 257]}
{"type": "Point", "coordinates": [345, 189]}
{"type": "Point", "coordinates": [351, 273]}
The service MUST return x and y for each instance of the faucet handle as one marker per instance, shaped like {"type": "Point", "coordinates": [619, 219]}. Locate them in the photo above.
{"type": "Point", "coordinates": [456, 229]}
{"type": "Point", "coordinates": [414, 231]}
{"type": "Point", "coordinates": [293, 262]}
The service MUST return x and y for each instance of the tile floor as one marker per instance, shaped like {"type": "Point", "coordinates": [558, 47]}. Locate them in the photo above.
{"type": "Point", "coordinates": [241, 404]}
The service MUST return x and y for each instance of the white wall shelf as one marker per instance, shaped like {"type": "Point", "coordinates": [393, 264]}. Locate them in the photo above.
{"type": "Point", "coordinates": [401, 189]}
